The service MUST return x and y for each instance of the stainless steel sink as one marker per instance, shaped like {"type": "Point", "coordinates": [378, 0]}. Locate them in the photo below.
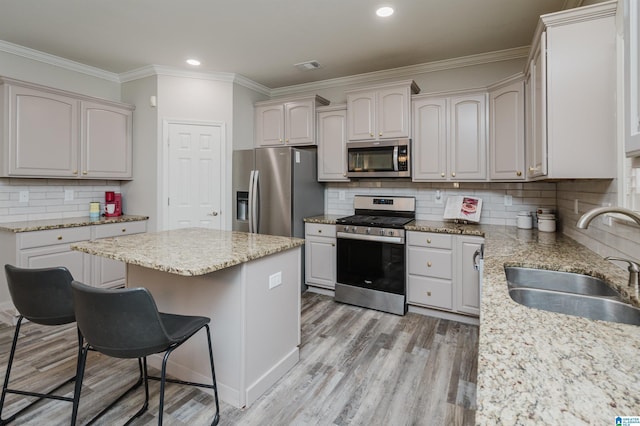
{"type": "Point", "coordinates": [596, 308]}
{"type": "Point", "coordinates": [566, 282]}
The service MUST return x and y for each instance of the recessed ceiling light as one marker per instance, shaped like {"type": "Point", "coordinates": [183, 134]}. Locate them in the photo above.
{"type": "Point", "coordinates": [384, 11]}
{"type": "Point", "coordinates": [193, 62]}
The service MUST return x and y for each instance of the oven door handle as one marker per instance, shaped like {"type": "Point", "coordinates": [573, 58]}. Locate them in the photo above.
{"type": "Point", "coordinates": [379, 238]}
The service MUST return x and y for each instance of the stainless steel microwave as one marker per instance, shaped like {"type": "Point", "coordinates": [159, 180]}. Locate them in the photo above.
{"type": "Point", "coordinates": [376, 159]}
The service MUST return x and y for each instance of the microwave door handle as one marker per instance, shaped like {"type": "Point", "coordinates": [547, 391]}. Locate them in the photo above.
{"type": "Point", "coordinates": [395, 158]}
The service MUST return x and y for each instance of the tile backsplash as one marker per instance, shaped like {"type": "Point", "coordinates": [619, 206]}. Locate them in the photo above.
{"type": "Point", "coordinates": [47, 198]}
{"type": "Point", "coordinates": [431, 197]}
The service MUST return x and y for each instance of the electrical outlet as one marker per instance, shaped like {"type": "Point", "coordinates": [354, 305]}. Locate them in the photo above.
{"type": "Point", "coordinates": [68, 194]}
{"type": "Point", "coordinates": [606, 219]}
{"type": "Point", "coordinates": [438, 196]}
{"type": "Point", "coordinates": [24, 196]}
{"type": "Point", "coordinates": [508, 200]}
{"type": "Point", "coordinates": [575, 206]}
{"type": "Point", "coordinates": [275, 280]}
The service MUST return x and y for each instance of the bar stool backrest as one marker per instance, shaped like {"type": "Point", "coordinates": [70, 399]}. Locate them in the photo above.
{"type": "Point", "coordinates": [42, 295]}
{"type": "Point", "coordinates": [122, 323]}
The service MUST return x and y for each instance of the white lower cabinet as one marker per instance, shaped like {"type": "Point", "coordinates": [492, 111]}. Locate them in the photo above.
{"type": "Point", "coordinates": [52, 247]}
{"type": "Point", "coordinates": [320, 255]}
{"type": "Point", "coordinates": [108, 272]}
{"type": "Point", "coordinates": [440, 272]}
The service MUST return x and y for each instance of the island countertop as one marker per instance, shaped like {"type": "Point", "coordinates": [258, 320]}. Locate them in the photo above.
{"type": "Point", "coordinates": [190, 251]}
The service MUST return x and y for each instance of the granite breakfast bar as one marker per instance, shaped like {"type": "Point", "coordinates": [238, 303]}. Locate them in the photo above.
{"type": "Point", "coordinates": [248, 284]}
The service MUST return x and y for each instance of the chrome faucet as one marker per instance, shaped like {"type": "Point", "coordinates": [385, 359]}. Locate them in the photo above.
{"type": "Point", "coordinates": [585, 220]}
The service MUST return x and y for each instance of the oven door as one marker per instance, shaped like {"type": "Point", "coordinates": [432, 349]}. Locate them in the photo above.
{"type": "Point", "coordinates": [371, 262]}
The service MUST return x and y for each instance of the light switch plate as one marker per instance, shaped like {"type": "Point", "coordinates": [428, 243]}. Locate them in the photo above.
{"type": "Point", "coordinates": [24, 196]}
{"type": "Point", "coordinates": [508, 200]}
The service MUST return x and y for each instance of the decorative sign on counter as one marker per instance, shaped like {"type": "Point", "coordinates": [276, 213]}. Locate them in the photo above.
{"type": "Point", "coordinates": [463, 209]}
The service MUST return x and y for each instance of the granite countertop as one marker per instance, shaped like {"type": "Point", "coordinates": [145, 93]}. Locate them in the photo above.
{"type": "Point", "coordinates": [188, 252]}
{"type": "Point", "coordinates": [326, 219]}
{"type": "Point", "coordinates": [537, 367]}
{"type": "Point", "coordinates": [69, 222]}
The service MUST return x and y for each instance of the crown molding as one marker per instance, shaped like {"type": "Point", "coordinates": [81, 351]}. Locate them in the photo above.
{"type": "Point", "coordinates": [57, 61]}
{"type": "Point", "coordinates": [408, 71]}
{"type": "Point", "coordinates": [153, 70]}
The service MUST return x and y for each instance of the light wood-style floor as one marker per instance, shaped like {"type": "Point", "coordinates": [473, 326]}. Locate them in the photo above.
{"type": "Point", "coordinates": [357, 367]}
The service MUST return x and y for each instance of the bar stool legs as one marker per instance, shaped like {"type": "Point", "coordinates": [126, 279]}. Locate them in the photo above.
{"type": "Point", "coordinates": [40, 396]}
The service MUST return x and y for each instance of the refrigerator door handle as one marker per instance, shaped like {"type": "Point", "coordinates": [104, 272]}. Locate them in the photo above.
{"type": "Point", "coordinates": [255, 199]}
{"type": "Point", "coordinates": [250, 207]}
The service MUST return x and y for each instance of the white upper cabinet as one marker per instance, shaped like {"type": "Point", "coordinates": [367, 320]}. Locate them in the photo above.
{"type": "Point", "coordinates": [40, 133]}
{"type": "Point", "coordinates": [381, 112]}
{"type": "Point", "coordinates": [449, 138]}
{"type": "Point", "coordinates": [468, 138]}
{"type": "Point", "coordinates": [429, 139]}
{"type": "Point", "coordinates": [573, 86]}
{"type": "Point", "coordinates": [506, 130]}
{"type": "Point", "coordinates": [55, 134]}
{"type": "Point", "coordinates": [632, 77]}
{"type": "Point", "coordinates": [287, 122]}
{"type": "Point", "coordinates": [106, 141]}
{"type": "Point", "coordinates": [332, 138]}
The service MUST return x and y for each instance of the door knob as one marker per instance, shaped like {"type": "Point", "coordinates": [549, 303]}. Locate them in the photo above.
{"type": "Point", "coordinates": [213, 213]}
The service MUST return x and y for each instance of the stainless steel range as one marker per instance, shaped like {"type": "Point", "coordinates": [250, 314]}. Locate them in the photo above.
{"type": "Point", "coordinates": [371, 253]}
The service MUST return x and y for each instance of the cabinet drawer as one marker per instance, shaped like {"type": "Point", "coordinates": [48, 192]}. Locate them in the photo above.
{"type": "Point", "coordinates": [321, 230]}
{"type": "Point", "coordinates": [430, 292]}
{"type": "Point", "coordinates": [54, 236]}
{"type": "Point", "coordinates": [429, 239]}
{"type": "Point", "coordinates": [115, 229]}
{"type": "Point", "coordinates": [430, 262]}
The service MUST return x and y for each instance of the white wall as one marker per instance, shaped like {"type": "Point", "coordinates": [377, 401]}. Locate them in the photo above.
{"type": "Point", "coordinates": [139, 195]}
{"type": "Point", "coordinates": [243, 118]}
{"type": "Point", "coordinates": [34, 71]}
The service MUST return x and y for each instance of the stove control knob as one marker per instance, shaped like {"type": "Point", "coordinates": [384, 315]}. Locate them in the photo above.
{"type": "Point", "coordinates": [382, 232]}
{"type": "Point", "coordinates": [390, 232]}
{"type": "Point", "coordinates": [346, 229]}
{"type": "Point", "coordinates": [368, 231]}
{"type": "Point", "coordinates": [354, 229]}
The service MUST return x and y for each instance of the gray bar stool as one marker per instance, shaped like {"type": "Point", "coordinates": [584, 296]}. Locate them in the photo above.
{"type": "Point", "coordinates": [125, 323]}
{"type": "Point", "coordinates": [42, 296]}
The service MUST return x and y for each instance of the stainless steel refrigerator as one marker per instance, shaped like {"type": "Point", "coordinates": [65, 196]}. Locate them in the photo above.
{"type": "Point", "coordinates": [274, 189]}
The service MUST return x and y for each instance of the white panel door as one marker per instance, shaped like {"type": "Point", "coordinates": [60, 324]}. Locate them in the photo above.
{"type": "Point", "coordinates": [195, 175]}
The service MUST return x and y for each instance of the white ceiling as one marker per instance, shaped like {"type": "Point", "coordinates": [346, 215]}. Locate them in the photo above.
{"type": "Point", "coordinates": [262, 39]}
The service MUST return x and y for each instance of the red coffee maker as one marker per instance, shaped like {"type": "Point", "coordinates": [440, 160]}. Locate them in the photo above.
{"type": "Point", "coordinates": [112, 204]}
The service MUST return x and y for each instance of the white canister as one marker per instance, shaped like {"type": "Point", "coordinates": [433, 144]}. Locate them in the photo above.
{"type": "Point", "coordinates": [546, 222]}
{"type": "Point", "coordinates": [524, 220]}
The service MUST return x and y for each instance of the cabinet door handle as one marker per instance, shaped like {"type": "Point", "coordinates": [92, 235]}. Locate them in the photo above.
{"type": "Point", "coordinates": [371, 134]}
{"type": "Point", "coordinates": [534, 169]}
{"type": "Point", "coordinates": [286, 140]}
{"type": "Point", "coordinates": [428, 240]}
{"type": "Point", "coordinates": [319, 231]}
{"type": "Point", "coordinates": [84, 172]}
{"type": "Point", "coordinates": [124, 229]}
{"type": "Point", "coordinates": [75, 172]}
{"type": "Point", "coordinates": [59, 237]}
{"type": "Point", "coordinates": [429, 264]}
{"type": "Point", "coordinates": [442, 174]}
{"type": "Point", "coordinates": [518, 173]}
{"type": "Point", "coordinates": [380, 134]}
{"type": "Point", "coordinates": [428, 293]}
{"type": "Point", "coordinates": [333, 245]}
{"type": "Point", "coordinates": [453, 174]}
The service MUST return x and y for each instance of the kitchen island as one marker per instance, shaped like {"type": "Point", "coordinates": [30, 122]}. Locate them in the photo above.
{"type": "Point", "coordinates": [248, 284]}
